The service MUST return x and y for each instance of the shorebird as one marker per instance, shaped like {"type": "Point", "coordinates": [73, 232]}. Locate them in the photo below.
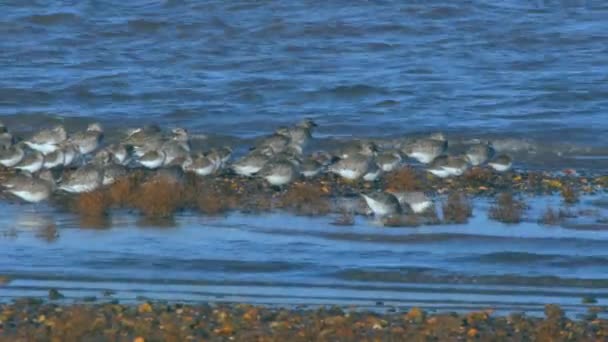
{"type": "Point", "coordinates": [47, 140]}
{"type": "Point", "coordinates": [277, 142]}
{"type": "Point", "coordinates": [88, 141]}
{"type": "Point", "coordinates": [119, 153]}
{"type": "Point", "coordinates": [113, 172]}
{"type": "Point", "coordinates": [501, 163]}
{"type": "Point", "coordinates": [456, 165]}
{"type": "Point", "coordinates": [301, 133]}
{"type": "Point", "coordinates": [351, 168]}
{"type": "Point", "coordinates": [250, 163]}
{"type": "Point", "coordinates": [202, 165]}
{"type": "Point", "coordinates": [388, 160]}
{"type": "Point", "coordinates": [54, 159]}
{"type": "Point", "coordinates": [358, 147]}
{"type": "Point", "coordinates": [382, 203]}
{"type": "Point", "coordinates": [418, 201]}
{"type": "Point", "coordinates": [311, 168]}
{"type": "Point", "coordinates": [145, 139]}
{"type": "Point", "coordinates": [30, 188]}
{"type": "Point", "coordinates": [70, 153]}
{"type": "Point", "coordinates": [425, 150]}
{"type": "Point", "coordinates": [85, 179]}
{"type": "Point", "coordinates": [479, 154]}
{"type": "Point", "coordinates": [279, 172]}
{"type": "Point", "coordinates": [11, 156]}
{"type": "Point", "coordinates": [32, 162]}
{"type": "Point", "coordinates": [152, 159]}
{"type": "Point", "coordinates": [373, 172]}
{"type": "Point", "coordinates": [6, 138]}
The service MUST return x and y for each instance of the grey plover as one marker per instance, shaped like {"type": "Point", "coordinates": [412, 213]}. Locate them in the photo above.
{"type": "Point", "coordinates": [351, 168]}
{"type": "Point", "coordinates": [388, 160]}
{"type": "Point", "coordinates": [47, 140]}
{"type": "Point", "coordinates": [418, 201]}
{"type": "Point", "coordinates": [30, 188]}
{"type": "Point", "coordinates": [425, 150]}
{"type": "Point", "coordinates": [382, 203]}
{"type": "Point", "coordinates": [146, 139]}
{"type": "Point", "coordinates": [250, 163]}
{"type": "Point", "coordinates": [301, 133]}
{"type": "Point", "coordinates": [278, 172]}
{"type": "Point", "coordinates": [152, 159]}
{"type": "Point", "coordinates": [11, 156]}
{"type": "Point", "coordinates": [479, 153]}
{"type": "Point", "coordinates": [173, 149]}
{"type": "Point", "coordinates": [84, 179]}
{"type": "Point", "coordinates": [54, 159]}
{"type": "Point", "coordinates": [501, 163]}
{"type": "Point", "coordinates": [32, 162]}
{"type": "Point", "coordinates": [88, 141]}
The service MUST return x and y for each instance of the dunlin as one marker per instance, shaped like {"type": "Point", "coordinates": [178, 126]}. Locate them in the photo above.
{"type": "Point", "coordinates": [32, 162]}
{"type": "Point", "coordinates": [120, 153]}
{"type": "Point", "coordinates": [152, 159]}
{"type": "Point", "coordinates": [436, 167]}
{"type": "Point", "coordinates": [425, 150]}
{"type": "Point", "coordinates": [456, 165]}
{"type": "Point", "coordinates": [202, 165]}
{"type": "Point", "coordinates": [479, 153]}
{"type": "Point", "coordinates": [6, 138]}
{"type": "Point", "coordinates": [251, 163]}
{"type": "Point", "coordinates": [358, 147]}
{"type": "Point", "coordinates": [47, 140]}
{"type": "Point", "coordinates": [351, 168]}
{"type": "Point", "coordinates": [501, 163]}
{"type": "Point", "coordinates": [388, 160]}
{"type": "Point", "coordinates": [173, 149]}
{"type": "Point", "coordinates": [323, 157]}
{"type": "Point", "coordinates": [88, 141]}
{"type": "Point", "coordinates": [146, 139]}
{"type": "Point", "coordinates": [418, 201]}
{"type": "Point", "coordinates": [113, 172]}
{"type": "Point", "coordinates": [278, 172]}
{"type": "Point", "coordinates": [224, 153]}
{"type": "Point", "coordinates": [373, 172]}
{"type": "Point", "coordinates": [11, 156]}
{"type": "Point", "coordinates": [85, 179]}
{"type": "Point", "coordinates": [70, 154]}
{"type": "Point", "coordinates": [30, 188]}
{"type": "Point", "coordinates": [54, 159]}
{"type": "Point", "coordinates": [382, 203]}
{"type": "Point", "coordinates": [276, 142]}
{"type": "Point", "coordinates": [311, 168]}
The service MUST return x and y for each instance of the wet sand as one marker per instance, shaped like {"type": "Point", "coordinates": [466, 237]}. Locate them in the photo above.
{"type": "Point", "coordinates": [34, 320]}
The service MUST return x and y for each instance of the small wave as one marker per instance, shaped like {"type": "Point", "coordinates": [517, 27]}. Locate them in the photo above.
{"type": "Point", "coordinates": [52, 18]}
{"type": "Point", "coordinates": [146, 25]}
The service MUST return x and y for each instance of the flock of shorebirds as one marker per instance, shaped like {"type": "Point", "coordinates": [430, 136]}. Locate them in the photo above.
{"type": "Point", "coordinates": [277, 158]}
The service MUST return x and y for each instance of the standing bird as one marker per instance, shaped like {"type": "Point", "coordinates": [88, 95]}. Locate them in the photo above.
{"type": "Point", "coordinates": [11, 156]}
{"type": "Point", "coordinates": [382, 203]}
{"type": "Point", "coordinates": [279, 172]}
{"type": "Point", "coordinates": [351, 168]}
{"type": "Point", "coordinates": [425, 150]}
{"type": "Point", "coordinates": [479, 153]}
{"type": "Point", "coordinates": [501, 163]}
{"type": "Point", "coordinates": [30, 188]}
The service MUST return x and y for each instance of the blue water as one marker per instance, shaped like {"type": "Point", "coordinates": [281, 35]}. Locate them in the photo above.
{"type": "Point", "coordinates": [524, 68]}
{"type": "Point", "coordinates": [530, 75]}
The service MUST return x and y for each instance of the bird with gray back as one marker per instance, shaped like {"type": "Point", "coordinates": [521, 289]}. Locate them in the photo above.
{"type": "Point", "coordinates": [388, 160]}
{"type": "Point", "coordinates": [202, 165]}
{"type": "Point", "coordinates": [31, 188]}
{"type": "Point", "coordinates": [47, 140]}
{"type": "Point", "coordinates": [152, 159]}
{"type": "Point", "coordinates": [425, 150]}
{"type": "Point", "coordinates": [11, 156]}
{"type": "Point", "coordinates": [417, 201]}
{"type": "Point", "coordinates": [382, 203]}
{"type": "Point", "coordinates": [54, 159]}
{"type": "Point", "coordinates": [358, 147]}
{"type": "Point", "coordinates": [311, 167]}
{"type": "Point", "coordinates": [479, 153]}
{"type": "Point", "coordinates": [250, 163]}
{"type": "Point", "coordinates": [84, 179]}
{"type": "Point", "coordinates": [32, 162]}
{"type": "Point", "coordinates": [351, 168]}
{"type": "Point", "coordinates": [88, 141]}
{"type": "Point", "coordinates": [279, 172]}
{"type": "Point", "coordinates": [501, 163]}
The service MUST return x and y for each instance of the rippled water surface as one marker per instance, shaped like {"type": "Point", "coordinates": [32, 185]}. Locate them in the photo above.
{"type": "Point", "coordinates": [531, 75]}
{"type": "Point", "coordinates": [280, 259]}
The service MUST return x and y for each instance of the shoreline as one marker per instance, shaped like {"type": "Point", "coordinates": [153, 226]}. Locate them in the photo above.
{"type": "Point", "coordinates": [32, 319]}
